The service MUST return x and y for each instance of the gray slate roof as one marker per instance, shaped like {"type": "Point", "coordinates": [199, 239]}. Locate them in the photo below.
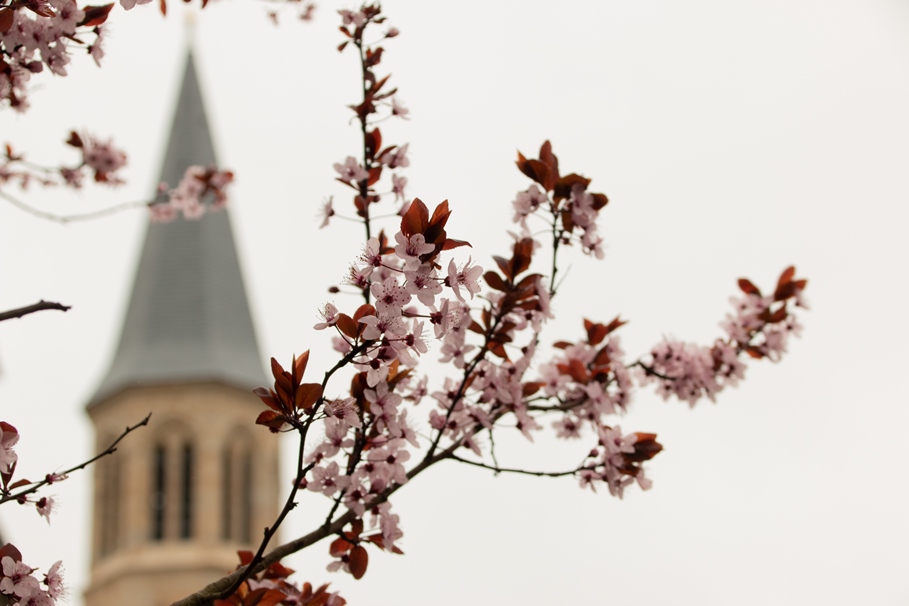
{"type": "Point", "coordinates": [188, 318]}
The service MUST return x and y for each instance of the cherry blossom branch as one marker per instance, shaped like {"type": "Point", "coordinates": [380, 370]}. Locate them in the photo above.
{"type": "Point", "coordinates": [55, 477]}
{"type": "Point", "coordinates": [218, 589]}
{"type": "Point", "coordinates": [270, 531]}
{"type": "Point", "coordinates": [30, 309]}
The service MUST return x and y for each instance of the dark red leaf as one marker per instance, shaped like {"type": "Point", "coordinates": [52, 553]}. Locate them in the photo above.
{"type": "Point", "coordinates": [6, 19]}
{"type": "Point", "coordinates": [299, 365]}
{"type": "Point", "coordinates": [495, 281]}
{"type": "Point", "coordinates": [95, 15]}
{"type": "Point", "coordinates": [748, 288]}
{"type": "Point", "coordinates": [452, 243]}
{"type": "Point", "coordinates": [416, 219]}
{"type": "Point", "coordinates": [347, 326]}
{"type": "Point", "coordinates": [359, 560]}
{"type": "Point", "coordinates": [339, 547]}
{"type": "Point", "coordinates": [10, 550]}
{"type": "Point", "coordinates": [271, 419]}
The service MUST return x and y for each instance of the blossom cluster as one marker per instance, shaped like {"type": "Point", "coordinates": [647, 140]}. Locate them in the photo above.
{"type": "Point", "coordinates": [100, 159]}
{"type": "Point", "coordinates": [486, 326]}
{"type": "Point", "coordinates": [379, 102]}
{"type": "Point", "coordinates": [759, 328]}
{"type": "Point", "coordinates": [201, 189]}
{"type": "Point", "coordinates": [271, 586]}
{"type": "Point", "coordinates": [19, 585]}
{"type": "Point", "coordinates": [39, 34]}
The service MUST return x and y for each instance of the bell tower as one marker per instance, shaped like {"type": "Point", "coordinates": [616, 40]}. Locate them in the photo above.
{"type": "Point", "coordinates": [180, 496]}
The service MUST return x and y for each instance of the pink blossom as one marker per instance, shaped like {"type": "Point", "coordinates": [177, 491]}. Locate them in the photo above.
{"type": "Point", "coordinates": [329, 315]}
{"type": "Point", "coordinates": [327, 479]}
{"type": "Point", "coordinates": [396, 158]}
{"type": "Point", "coordinates": [424, 283]}
{"type": "Point", "coordinates": [527, 203]}
{"type": "Point", "coordinates": [390, 296]}
{"type": "Point", "coordinates": [345, 410]}
{"type": "Point", "coordinates": [398, 183]}
{"type": "Point", "coordinates": [54, 581]}
{"type": "Point", "coordinates": [351, 171]}
{"type": "Point", "coordinates": [411, 249]}
{"type": "Point", "coordinates": [327, 212]}
{"type": "Point", "coordinates": [45, 505]}
{"type": "Point", "coordinates": [129, 4]}
{"type": "Point", "coordinates": [102, 158]}
{"type": "Point", "coordinates": [399, 110]}
{"type": "Point", "coordinates": [8, 439]}
{"type": "Point", "coordinates": [348, 17]}
{"type": "Point", "coordinates": [18, 579]}
{"type": "Point", "coordinates": [467, 277]}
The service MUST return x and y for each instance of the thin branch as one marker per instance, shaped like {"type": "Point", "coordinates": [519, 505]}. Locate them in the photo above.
{"type": "Point", "coordinates": [30, 309]}
{"type": "Point", "coordinates": [108, 451]}
{"type": "Point", "coordinates": [498, 470]}
{"type": "Point", "coordinates": [96, 214]}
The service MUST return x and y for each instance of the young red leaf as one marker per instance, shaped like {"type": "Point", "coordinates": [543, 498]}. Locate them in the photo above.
{"type": "Point", "coordinates": [599, 201]}
{"type": "Point", "coordinates": [299, 365]}
{"type": "Point", "coordinates": [748, 288]}
{"type": "Point", "coordinates": [359, 559]}
{"type": "Point", "coordinates": [271, 419]}
{"type": "Point", "coordinates": [307, 395]}
{"type": "Point", "coordinates": [339, 547]}
{"type": "Point", "coordinates": [276, 369]}
{"type": "Point", "coordinates": [41, 8]}
{"type": "Point", "coordinates": [377, 539]}
{"type": "Point", "coordinates": [415, 219]}
{"type": "Point", "coordinates": [495, 281]}
{"type": "Point", "coordinates": [9, 550]}
{"type": "Point", "coordinates": [246, 556]}
{"type": "Point", "coordinates": [451, 243]}
{"type": "Point", "coordinates": [347, 326]}
{"type": "Point", "coordinates": [95, 15]}
{"type": "Point", "coordinates": [6, 19]}
{"type": "Point", "coordinates": [356, 527]}
{"type": "Point", "coordinates": [375, 173]}
{"type": "Point", "coordinates": [269, 597]}
{"type": "Point", "coordinates": [550, 159]}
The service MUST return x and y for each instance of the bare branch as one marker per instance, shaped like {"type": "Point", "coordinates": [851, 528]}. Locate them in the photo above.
{"type": "Point", "coordinates": [30, 309]}
{"type": "Point", "coordinates": [47, 479]}
{"type": "Point", "coordinates": [96, 214]}
{"type": "Point", "coordinates": [497, 469]}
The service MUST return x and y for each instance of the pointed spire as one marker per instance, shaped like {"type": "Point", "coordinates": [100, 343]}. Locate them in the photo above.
{"type": "Point", "coordinates": [188, 318]}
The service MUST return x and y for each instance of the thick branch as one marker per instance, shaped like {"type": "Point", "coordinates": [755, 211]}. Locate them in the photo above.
{"type": "Point", "coordinates": [30, 309]}
{"type": "Point", "coordinates": [217, 589]}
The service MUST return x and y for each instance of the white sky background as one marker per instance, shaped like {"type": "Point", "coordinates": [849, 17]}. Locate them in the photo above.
{"type": "Point", "coordinates": [733, 139]}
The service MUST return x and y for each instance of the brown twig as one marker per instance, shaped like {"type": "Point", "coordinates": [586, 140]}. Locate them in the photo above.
{"type": "Point", "coordinates": [30, 309]}
{"type": "Point", "coordinates": [107, 451]}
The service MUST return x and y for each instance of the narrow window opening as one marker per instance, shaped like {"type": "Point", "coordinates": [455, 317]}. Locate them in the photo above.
{"type": "Point", "coordinates": [246, 498]}
{"type": "Point", "coordinates": [158, 495]}
{"type": "Point", "coordinates": [227, 495]}
{"type": "Point", "coordinates": [186, 512]}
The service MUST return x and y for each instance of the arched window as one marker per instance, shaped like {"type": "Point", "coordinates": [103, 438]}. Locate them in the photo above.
{"type": "Point", "coordinates": [109, 498]}
{"type": "Point", "coordinates": [236, 497]}
{"type": "Point", "coordinates": [173, 480]}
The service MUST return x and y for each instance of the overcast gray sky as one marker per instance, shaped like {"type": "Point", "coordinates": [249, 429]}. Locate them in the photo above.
{"type": "Point", "coordinates": [733, 139]}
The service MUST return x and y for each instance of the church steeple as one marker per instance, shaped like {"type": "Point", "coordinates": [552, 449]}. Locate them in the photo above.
{"type": "Point", "coordinates": [188, 317]}
{"type": "Point", "coordinates": [177, 499]}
